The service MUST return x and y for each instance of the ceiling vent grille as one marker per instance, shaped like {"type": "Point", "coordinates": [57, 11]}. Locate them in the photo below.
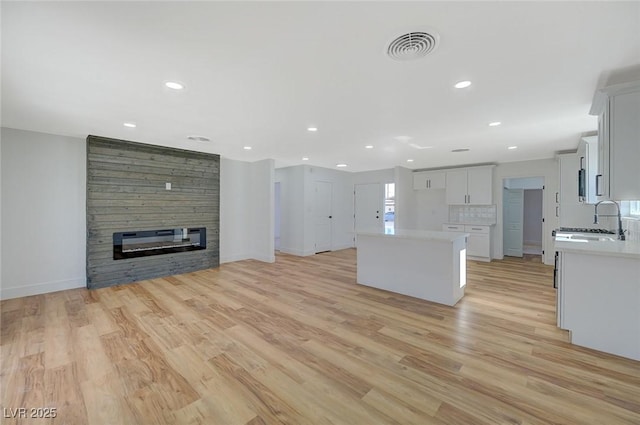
{"type": "Point", "coordinates": [413, 45]}
{"type": "Point", "coordinates": [199, 138]}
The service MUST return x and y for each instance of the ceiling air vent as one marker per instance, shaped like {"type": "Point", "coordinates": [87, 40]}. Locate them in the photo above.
{"type": "Point", "coordinates": [413, 45]}
{"type": "Point", "coordinates": [199, 138]}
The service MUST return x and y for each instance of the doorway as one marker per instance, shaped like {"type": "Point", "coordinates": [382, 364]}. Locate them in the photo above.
{"type": "Point", "coordinates": [522, 216]}
{"type": "Point", "coordinates": [323, 216]}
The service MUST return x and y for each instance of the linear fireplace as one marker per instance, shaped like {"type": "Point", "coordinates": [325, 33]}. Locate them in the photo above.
{"type": "Point", "coordinates": [157, 242]}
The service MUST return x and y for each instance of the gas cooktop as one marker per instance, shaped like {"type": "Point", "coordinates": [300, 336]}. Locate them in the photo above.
{"type": "Point", "coordinates": [584, 230]}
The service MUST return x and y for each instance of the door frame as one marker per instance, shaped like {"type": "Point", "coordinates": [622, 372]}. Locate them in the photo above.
{"type": "Point", "coordinates": [545, 218]}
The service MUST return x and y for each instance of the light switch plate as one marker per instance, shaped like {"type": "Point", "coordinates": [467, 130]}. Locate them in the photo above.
{"type": "Point", "coordinates": [167, 186]}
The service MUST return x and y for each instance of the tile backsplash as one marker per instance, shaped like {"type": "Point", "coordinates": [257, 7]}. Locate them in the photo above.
{"type": "Point", "coordinates": [472, 214]}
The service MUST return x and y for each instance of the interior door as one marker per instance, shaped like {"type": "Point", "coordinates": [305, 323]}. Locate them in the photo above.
{"type": "Point", "coordinates": [513, 215]}
{"type": "Point", "coordinates": [323, 216]}
{"type": "Point", "coordinates": [369, 207]}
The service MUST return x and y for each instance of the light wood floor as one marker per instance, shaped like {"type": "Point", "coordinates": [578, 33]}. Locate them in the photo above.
{"type": "Point", "coordinates": [298, 342]}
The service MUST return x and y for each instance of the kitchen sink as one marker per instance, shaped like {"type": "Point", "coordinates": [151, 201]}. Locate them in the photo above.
{"type": "Point", "coordinates": [584, 238]}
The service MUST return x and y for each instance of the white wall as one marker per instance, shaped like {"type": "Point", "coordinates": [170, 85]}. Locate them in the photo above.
{"type": "Point", "coordinates": [549, 170]}
{"type": "Point", "coordinates": [341, 204]}
{"type": "Point", "coordinates": [405, 199]}
{"type": "Point", "coordinates": [261, 241]}
{"type": "Point", "coordinates": [377, 176]}
{"type": "Point", "coordinates": [292, 217]}
{"type": "Point", "coordinates": [43, 213]}
{"type": "Point", "coordinates": [431, 209]}
{"type": "Point", "coordinates": [297, 197]}
{"type": "Point", "coordinates": [246, 210]}
{"type": "Point", "coordinates": [525, 183]}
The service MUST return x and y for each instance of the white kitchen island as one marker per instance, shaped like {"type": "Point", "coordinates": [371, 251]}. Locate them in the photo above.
{"type": "Point", "coordinates": [599, 294]}
{"type": "Point", "coordinates": [423, 264]}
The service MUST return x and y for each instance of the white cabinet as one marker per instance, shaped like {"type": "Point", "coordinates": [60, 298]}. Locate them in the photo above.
{"type": "Point", "coordinates": [478, 242]}
{"type": "Point", "coordinates": [588, 169]}
{"type": "Point", "coordinates": [618, 111]}
{"type": "Point", "coordinates": [470, 186]}
{"type": "Point", "coordinates": [429, 180]}
{"type": "Point", "coordinates": [570, 208]}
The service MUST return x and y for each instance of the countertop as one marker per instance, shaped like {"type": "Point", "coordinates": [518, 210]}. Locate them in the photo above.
{"type": "Point", "coordinates": [624, 249]}
{"type": "Point", "coordinates": [415, 234]}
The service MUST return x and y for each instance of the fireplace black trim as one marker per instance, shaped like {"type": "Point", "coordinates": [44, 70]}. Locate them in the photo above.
{"type": "Point", "coordinates": [181, 240]}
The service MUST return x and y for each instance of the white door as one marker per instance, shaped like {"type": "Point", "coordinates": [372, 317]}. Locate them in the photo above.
{"type": "Point", "coordinates": [513, 216]}
{"type": "Point", "coordinates": [323, 216]}
{"type": "Point", "coordinates": [369, 207]}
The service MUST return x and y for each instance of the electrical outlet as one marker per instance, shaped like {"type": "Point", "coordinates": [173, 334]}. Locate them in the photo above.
{"type": "Point", "coordinates": [167, 186]}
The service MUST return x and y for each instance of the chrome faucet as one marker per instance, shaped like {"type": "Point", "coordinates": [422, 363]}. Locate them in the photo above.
{"type": "Point", "coordinates": [595, 217]}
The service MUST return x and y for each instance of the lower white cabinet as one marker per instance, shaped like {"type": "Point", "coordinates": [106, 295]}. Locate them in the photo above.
{"type": "Point", "coordinates": [478, 242]}
{"type": "Point", "coordinates": [599, 300]}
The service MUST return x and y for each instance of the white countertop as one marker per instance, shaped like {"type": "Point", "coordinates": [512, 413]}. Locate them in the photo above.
{"type": "Point", "coordinates": [415, 234]}
{"type": "Point", "coordinates": [626, 249]}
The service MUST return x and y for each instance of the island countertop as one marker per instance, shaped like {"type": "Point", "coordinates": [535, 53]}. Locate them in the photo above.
{"type": "Point", "coordinates": [415, 234]}
{"type": "Point", "coordinates": [624, 249]}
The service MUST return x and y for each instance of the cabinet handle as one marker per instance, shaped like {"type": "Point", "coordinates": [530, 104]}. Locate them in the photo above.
{"type": "Point", "coordinates": [428, 184]}
{"type": "Point", "coordinates": [598, 177]}
{"type": "Point", "coordinates": [469, 201]}
{"type": "Point", "coordinates": [475, 228]}
{"type": "Point", "coordinates": [557, 193]}
{"type": "Point", "coordinates": [581, 163]}
{"type": "Point", "coordinates": [557, 212]}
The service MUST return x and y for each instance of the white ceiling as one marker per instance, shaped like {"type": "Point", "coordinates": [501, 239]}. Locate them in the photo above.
{"type": "Point", "coordinates": [259, 74]}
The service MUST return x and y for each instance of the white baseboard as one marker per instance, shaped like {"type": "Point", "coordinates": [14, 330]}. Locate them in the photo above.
{"type": "Point", "coordinates": [42, 288]}
{"type": "Point", "coordinates": [345, 246]}
{"type": "Point", "coordinates": [265, 258]}
{"type": "Point", "coordinates": [297, 252]}
{"type": "Point", "coordinates": [235, 257]}
{"type": "Point", "coordinates": [239, 257]}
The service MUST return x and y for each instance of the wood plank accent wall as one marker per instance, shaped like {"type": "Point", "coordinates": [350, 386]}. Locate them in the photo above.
{"type": "Point", "coordinates": [126, 192]}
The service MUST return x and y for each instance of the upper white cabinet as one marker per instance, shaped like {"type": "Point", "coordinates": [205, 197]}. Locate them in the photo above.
{"type": "Point", "coordinates": [587, 155]}
{"type": "Point", "coordinates": [618, 111]}
{"type": "Point", "coordinates": [470, 186]}
{"type": "Point", "coordinates": [429, 180]}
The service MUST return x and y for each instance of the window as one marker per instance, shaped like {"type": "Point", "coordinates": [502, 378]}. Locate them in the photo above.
{"type": "Point", "coordinates": [389, 207]}
{"type": "Point", "coordinates": [634, 208]}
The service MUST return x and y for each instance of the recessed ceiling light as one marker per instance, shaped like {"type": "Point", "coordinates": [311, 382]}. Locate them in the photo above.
{"type": "Point", "coordinates": [305, 158]}
{"type": "Point", "coordinates": [462, 84]}
{"type": "Point", "coordinates": [409, 160]}
{"type": "Point", "coordinates": [494, 124]}
{"type": "Point", "coordinates": [461, 150]}
{"type": "Point", "coordinates": [312, 129]}
{"type": "Point", "coordinates": [130, 124]}
{"type": "Point", "coordinates": [341, 165]}
{"type": "Point", "coordinates": [247, 148]}
{"type": "Point", "coordinates": [199, 138]}
{"type": "Point", "coordinates": [174, 85]}
{"type": "Point", "coordinates": [369, 147]}
{"type": "Point", "coordinates": [512, 147]}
